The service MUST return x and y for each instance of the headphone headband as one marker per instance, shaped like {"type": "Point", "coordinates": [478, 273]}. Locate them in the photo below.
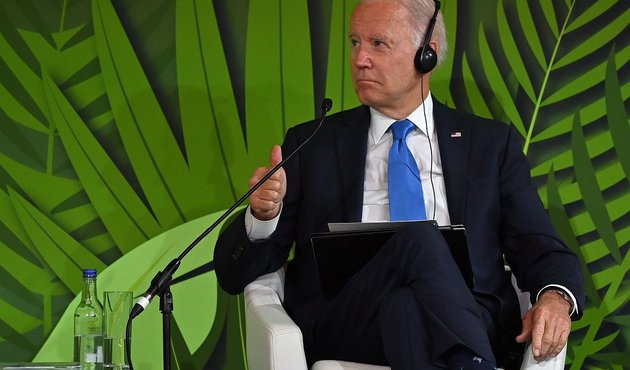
{"type": "Point", "coordinates": [426, 58]}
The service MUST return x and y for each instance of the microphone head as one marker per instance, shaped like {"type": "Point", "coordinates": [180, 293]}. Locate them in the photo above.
{"type": "Point", "coordinates": [327, 104]}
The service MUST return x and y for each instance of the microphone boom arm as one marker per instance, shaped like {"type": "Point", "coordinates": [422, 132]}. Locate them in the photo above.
{"type": "Point", "coordinates": [163, 278]}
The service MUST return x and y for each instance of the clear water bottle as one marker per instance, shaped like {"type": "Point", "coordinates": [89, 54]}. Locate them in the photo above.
{"type": "Point", "coordinates": [88, 326]}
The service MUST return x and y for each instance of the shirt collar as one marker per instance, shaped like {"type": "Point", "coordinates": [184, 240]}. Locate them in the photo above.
{"type": "Point", "coordinates": [379, 123]}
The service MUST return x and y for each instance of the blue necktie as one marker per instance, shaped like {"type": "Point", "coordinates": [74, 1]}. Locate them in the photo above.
{"type": "Point", "coordinates": [406, 201]}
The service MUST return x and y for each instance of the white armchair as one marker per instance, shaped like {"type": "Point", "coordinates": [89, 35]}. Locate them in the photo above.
{"type": "Point", "coordinates": [274, 341]}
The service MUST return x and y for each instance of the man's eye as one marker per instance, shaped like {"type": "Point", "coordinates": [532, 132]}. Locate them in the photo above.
{"type": "Point", "coordinates": [354, 42]}
{"type": "Point", "coordinates": [378, 43]}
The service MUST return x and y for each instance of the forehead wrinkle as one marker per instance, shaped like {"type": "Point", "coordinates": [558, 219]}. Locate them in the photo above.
{"type": "Point", "coordinates": [386, 27]}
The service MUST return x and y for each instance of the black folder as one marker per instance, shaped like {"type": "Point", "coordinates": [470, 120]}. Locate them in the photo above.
{"type": "Point", "coordinates": [339, 254]}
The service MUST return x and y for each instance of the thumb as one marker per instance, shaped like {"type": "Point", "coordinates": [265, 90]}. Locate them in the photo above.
{"type": "Point", "coordinates": [276, 155]}
{"type": "Point", "coordinates": [526, 333]}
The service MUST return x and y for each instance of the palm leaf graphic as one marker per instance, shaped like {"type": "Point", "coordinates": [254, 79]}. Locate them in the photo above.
{"type": "Point", "coordinates": [123, 213]}
{"type": "Point", "coordinates": [202, 74]}
{"type": "Point", "coordinates": [608, 273]}
{"type": "Point", "coordinates": [519, 72]}
{"type": "Point", "coordinates": [34, 196]}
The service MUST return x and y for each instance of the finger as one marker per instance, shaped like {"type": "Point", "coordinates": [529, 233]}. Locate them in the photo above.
{"type": "Point", "coordinates": [564, 336]}
{"type": "Point", "coordinates": [272, 183]}
{"type": "Point", "coordinates": [548, 342]}
{"type": "Point", "coordinates": [263, 207]}
{"type": "Point", "coordinates": [276, 182]}
{"type": "Point", "coordinates": [561, 335]}
{"type": "Point", "coordinates": [258, 174]}
{"type": "Point", "coordinates": [538, 330]}
{"type": "Point", "coordinates": [268, 195]}
{"type": "Point", "coordinates": [526, 333]}
{"type": "Point", "coordinates": [266, 198]}
{"type": "Point", "coordinates": [264, 202]}
{"type": "Point", "coordinates": [274, 159]}
{"type": "Point", "coordinates": [276, 155]}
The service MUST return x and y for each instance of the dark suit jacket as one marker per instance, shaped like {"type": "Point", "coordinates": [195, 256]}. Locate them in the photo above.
{"type": "Point", "coordinates": [488, 188]}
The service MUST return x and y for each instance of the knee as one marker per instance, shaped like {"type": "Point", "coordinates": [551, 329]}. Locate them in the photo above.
{"type": "Point", "coordinates": [420, 233]}
{"type": "Point", "coordinates": [421, 238]}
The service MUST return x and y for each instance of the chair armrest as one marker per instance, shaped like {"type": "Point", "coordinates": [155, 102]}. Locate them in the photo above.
{"type": "Point", "coordinates": [556, 363]}
{"type": "Point", "coordinates": [273, 340]}
{"type": "Point", "coordinates": [529, 363]}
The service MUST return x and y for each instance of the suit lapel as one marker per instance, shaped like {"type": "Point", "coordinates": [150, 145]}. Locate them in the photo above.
{"type": "Point", "coordinates": [351, 145]}
{"type": "Point", "coordinates": [454, 141]}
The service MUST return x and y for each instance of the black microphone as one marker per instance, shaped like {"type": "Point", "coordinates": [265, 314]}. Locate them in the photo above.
{"type": "Point", "coordinates": [163, 278]}
{"type": "Point", "coordinates": [159, 282]}
{"type": "Point", "coordinates": [326, 105]}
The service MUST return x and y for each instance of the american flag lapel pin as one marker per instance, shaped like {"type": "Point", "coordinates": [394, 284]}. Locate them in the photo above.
{"type": "Point", "coordinates": [456, 134]}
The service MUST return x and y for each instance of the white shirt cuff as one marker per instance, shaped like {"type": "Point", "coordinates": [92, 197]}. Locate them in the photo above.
{"type": "Point", "coordinates": [258, 230]}
{"type": "Point", "coordinates": [575, 306]}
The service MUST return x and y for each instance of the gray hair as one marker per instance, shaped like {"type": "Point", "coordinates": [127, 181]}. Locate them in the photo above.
{"type": "Point", "coordinates": [420, 12]}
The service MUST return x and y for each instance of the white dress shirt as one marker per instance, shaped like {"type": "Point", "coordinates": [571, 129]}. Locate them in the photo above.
{"type": "Point", "coordinates": [426, 154]}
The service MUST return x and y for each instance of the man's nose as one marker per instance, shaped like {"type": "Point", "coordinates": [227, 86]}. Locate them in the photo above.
{"type": "Point", "coordinates": [361, 57]}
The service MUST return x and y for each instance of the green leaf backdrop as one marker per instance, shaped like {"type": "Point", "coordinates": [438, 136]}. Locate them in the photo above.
{"type": "Point", "coordinates": [126, 126]}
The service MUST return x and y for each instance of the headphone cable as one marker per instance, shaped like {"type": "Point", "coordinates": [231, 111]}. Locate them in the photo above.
{"type": "Point", "coordinates": [426, 125]}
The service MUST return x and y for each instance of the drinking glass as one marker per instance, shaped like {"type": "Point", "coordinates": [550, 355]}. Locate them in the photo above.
{"type": "Point", "coordinates": [116, 309]}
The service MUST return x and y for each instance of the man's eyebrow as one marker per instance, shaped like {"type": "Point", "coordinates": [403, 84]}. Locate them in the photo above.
{"type": "Point", "coordinates": [373, 37]}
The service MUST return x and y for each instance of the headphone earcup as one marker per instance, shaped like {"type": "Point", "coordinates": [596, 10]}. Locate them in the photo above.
{"type": "Point", "coordinates": [425, 60]}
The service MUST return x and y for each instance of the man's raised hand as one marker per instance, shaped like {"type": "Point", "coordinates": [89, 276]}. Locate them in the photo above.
{"type": "Point", "coordinates": [266, 200]}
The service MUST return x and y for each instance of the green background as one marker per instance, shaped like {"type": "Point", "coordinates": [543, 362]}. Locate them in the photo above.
{"type": "Point", "coordinates": [126, 127]}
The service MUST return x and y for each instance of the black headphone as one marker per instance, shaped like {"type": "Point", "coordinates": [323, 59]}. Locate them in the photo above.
{"type": "Point", "coordinates": [426, 58]}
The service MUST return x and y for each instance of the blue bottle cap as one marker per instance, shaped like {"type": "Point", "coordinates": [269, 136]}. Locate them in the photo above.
{"type": "Point", "coordinates": [89, 273]}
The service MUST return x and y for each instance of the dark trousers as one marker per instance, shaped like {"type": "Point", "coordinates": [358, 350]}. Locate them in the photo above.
{"type": "Point", "coordinates": [408, 307]}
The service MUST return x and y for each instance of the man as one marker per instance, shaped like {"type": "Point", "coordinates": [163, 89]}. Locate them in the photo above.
{"type": "Point", "coordinates": [408, 307]}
